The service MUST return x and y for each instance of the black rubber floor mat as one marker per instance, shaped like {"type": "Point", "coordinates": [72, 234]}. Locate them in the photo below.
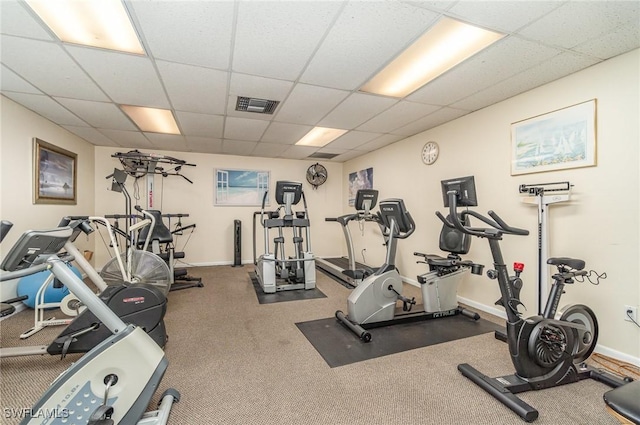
{"type": "Point", "coordinates": [338, 346]}
{"type": "Point", "coordinates": [281, 296]}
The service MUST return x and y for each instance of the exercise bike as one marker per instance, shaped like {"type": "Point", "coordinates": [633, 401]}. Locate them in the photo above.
{"type": "Point", "coordinates": [545, 351]}
{"type": "Point", "coordinates": [140, 303]}
{"type": "Point", "coordinates": [114, 382]}
{"type": "Point", "coordinates": [373, 303]}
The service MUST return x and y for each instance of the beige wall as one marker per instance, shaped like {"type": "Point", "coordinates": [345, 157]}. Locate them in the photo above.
{"type": "Point", "coordinates": [212, 241]}
{"type": "Point", "coordinates": [19, 127]}
{"type": "Point", "coordinates": [599, 225]}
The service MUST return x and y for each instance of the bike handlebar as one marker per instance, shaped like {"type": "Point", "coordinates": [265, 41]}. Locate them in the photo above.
{"type": "Point", "coordinates": [498, 225]}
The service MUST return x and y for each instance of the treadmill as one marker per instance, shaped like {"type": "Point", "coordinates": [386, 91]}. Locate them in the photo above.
{"type": "Point", "coordinates": [346, 270]}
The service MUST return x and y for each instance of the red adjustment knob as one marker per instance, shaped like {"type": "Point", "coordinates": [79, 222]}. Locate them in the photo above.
{"type": "Point", "coordinates": [518, 267]}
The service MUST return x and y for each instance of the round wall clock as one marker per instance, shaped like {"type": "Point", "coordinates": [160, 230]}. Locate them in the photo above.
{"type": "Point", "coordinates": [430, 152]}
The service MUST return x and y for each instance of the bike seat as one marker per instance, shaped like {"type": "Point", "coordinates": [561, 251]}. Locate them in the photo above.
{"type": "Point", "coordinates": [566, 261]}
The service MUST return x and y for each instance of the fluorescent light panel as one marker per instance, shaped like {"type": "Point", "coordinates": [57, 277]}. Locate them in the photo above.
{"type": "Point", "coordinates": [96, 23]}
{"type": "Point", "coordinates": [444, 46]}
{"type": "Point", "coordinates": [320, 136]}
{"type": "Point", "coordinates": [151, 119]}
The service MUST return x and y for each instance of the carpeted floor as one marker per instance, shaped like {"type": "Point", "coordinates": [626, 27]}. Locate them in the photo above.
{"type": "Point", "coordinates": [236, 361]}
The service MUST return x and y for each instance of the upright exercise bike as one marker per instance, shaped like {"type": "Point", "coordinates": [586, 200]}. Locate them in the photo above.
{"type": "Point", "coordinates": [114, 382]}
{"type": "Point", "coordinates": [545, 351]}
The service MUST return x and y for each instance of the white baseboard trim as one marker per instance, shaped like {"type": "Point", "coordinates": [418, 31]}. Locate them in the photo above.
{"type": "Point", "coordinates": [606, 351]}
{"type": "Point", "coordinates": [214, 263]}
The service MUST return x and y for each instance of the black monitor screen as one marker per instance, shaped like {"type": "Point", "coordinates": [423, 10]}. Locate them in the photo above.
{"type": "Point", "coordinates": [288, 190]}
{"type": "Point", "coordinates": [465, 188]}
{"type": "Point", "coordinates": [394, 209]}
{"type": "Point", "coordinates": [364, 197]}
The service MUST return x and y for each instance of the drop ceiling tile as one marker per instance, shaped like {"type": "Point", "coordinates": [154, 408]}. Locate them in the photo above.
{"type": "Point", "coordinates": [348, 155]}
{"type": "Point", "coordinates": [505, 58]}
{"type": "Point", "coordinates": [284, 133]}
{"type": "Point", "coordinates": [127, 139]}
{"type": "Point", "coordinates": [617, 42]}
{"type": "Point", "coordinates": [355, 110]}
{"type": "Point", "coordinates": [46, 107]}
{"type": "Point", "coordinates": [193, 88]}
{"type": "Point", "coordinates": [558, 67]}
{"type": "Point", "coordinates": [260, 49]}
{"type": "Point", "coordinates": [308, 104]}
{"type": "Point", "coordinates": [574, 22]}
{"type": "Point", "coordinates": [91, 135]}
{"type": "Point", "coordinates": [439, 6]}
{"type": "Point", "coordinates": [382, 141]}
{"type": "Point", "coordinates": [98, 114]}
{"type": "Point", "coordinates": [366, 36]}
{"type": "Point", "coordinates": [298, 152]}
{"type": "Point", "coordinates": [441, 116]}
{"type": "Point", "coordinates": [204, 144]}
{"type": "Point", "coordinates": [238, 147]}
{"type": "Point", "coordinates": [191, 32]}
{"type": "Point", "coordinates": [260, 87]}
{"type": "Point", "coordinates": [48, 67]}
{"type": "Point", "coordinates": [352, 140]}
{"type": "Point", "coordinates": [505, 16]}
{"type": "Point", "coordinates": [269, 150]}
{"type": "Point", "coordinates": [244, 129]}
{"type": "Point", "coordinates": [16, 18]}
{"type": "Point", "coordinates": [167, 142]}
{"type": "Point", "coordinates": [127, 79]}
{"type": "Point", "coordinates": [10, 81]}
{"type": "Point", "coordinates": [398, 115]}
{"type": "Point", "coordinates": [192, 124]}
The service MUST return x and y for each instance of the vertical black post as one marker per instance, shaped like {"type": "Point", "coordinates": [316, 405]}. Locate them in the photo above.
{"type": "Point", "coordinates": [237, 243]}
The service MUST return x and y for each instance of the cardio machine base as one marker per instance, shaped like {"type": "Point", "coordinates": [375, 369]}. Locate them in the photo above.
{"type": "Point", "coordinates": [505, 388]}
{"type": "Point", "coordinates": [270, 281]}
{"type": "Point", "coordinates": [338, 269]}
{"type": "Point", "coordinates": [401, 317]}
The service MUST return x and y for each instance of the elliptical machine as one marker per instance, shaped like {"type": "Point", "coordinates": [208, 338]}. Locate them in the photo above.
{"type": "Point", "coordinates": [114, 382]}
{"type": "Point", "coordinates": [545, 351]}
{"type": "Point", "coordinates": [276, 272]}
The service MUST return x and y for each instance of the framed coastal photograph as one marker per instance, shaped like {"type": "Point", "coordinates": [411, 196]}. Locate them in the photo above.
{"type": "Point", "coordinates": [557, 140]}
{"type": "Point", "coordinates": [54, 174]}
{"type": "Point", "coordinates": [241, 187]}
{"type": "Point", "coordinates": [362, 179]}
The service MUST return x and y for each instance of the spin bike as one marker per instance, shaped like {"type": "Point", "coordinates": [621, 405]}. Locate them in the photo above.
{"type": "Point", "coordinates": [114, 382]}
{"type": "Point", "coordinates": [545, 351]}
{"type": "Point", "coordinates": [373, 303]}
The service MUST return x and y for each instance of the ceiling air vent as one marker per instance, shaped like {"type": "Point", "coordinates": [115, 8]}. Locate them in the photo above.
{"type": "Point", "coordinates": [323, 155]}
{"type": "Point", "coordinates": [259, 106]}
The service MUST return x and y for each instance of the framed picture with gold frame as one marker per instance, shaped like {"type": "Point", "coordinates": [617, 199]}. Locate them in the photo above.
{"type": "Point", "coordinates": [55, 173]}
